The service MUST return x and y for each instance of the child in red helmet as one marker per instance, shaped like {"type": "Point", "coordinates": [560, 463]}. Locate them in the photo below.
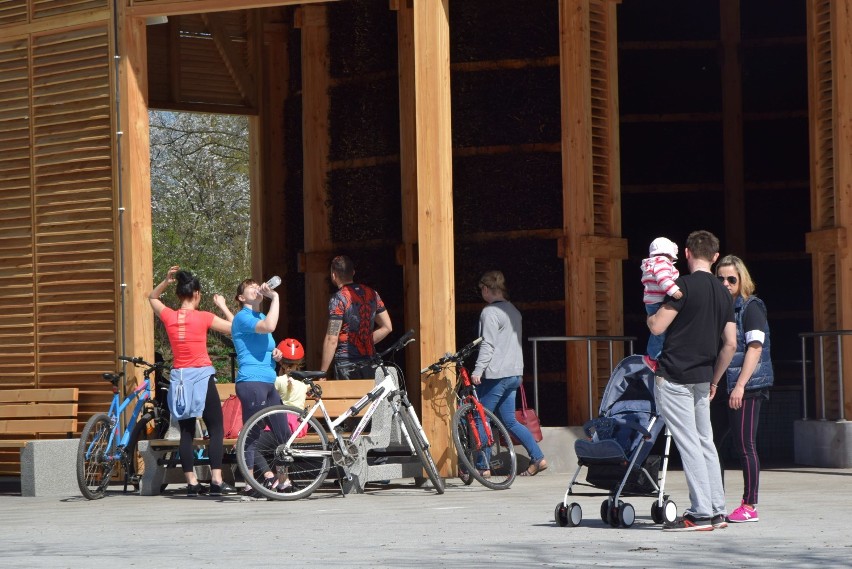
{"type": "Point", "coordinates": [292, 359]}
{"type": "Point", "coordinates": [292, 392]}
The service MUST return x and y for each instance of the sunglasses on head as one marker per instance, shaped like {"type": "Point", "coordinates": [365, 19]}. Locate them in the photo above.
{"type": "Point", "coordinates": [731, 280]}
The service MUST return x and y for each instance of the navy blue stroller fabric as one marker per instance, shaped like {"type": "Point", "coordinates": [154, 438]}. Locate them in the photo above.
{"type": "Point", "coordinates": [625, 422]}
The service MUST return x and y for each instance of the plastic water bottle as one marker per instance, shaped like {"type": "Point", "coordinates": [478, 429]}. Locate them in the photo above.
{"type": "Point", "coordinates": [274, 281]}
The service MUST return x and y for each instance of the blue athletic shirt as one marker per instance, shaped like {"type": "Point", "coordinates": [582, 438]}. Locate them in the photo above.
{"type": "Point", "coordinates": [254, 351]}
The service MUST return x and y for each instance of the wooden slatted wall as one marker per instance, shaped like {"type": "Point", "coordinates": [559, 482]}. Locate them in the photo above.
{"type": "Point", "coordinates": [73, 208]}
{"type": "Point", "coordinates": [13, 12]}
{"type": "Point", "coordinates": [17, 327]}
{"type": "Point", "coordinates": [50, 8]}
{"type": "Point", "coordinates": [58, 248]}
{"type": "Point", "coordinates": [823, 241]}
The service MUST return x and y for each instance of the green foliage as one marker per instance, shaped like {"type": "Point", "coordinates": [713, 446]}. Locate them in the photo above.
{"type": "Point", "coordinates": [200, 202]}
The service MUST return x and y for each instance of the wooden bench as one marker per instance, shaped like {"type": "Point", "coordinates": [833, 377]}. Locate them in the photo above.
{"type": "Point", "coordinates": [30, 414]}
{"type": "Point", "coordinates": [39, 425]}
{"type": "Point", "coordinates": [161, 455]}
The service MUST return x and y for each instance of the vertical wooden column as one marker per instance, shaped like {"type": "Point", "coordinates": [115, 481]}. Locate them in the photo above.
{"type": "Point", "coordinates": [268, 159]}
{"type": "Point", "coordinates": [841, 73]}
{"type": "Point", "coordinates": [732, 127]}
{"type": "Point", "coordinates": [315, 143]}
{"type": "Point", "coordinates": [135, 178]}
{"type": "Point", "coordinates": [575, 79]}
{"type": "Point", "coordinates": [830, 125]}
{"type": "Point", "coordinates": [426, 167]}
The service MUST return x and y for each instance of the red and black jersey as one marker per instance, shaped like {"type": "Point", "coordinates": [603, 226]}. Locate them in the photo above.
{"type": "Point", "coordinates": [356, 306]}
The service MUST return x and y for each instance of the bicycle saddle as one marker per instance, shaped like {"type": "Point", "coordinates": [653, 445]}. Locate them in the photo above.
{"type": "Point", "coordinates": [303, 375]}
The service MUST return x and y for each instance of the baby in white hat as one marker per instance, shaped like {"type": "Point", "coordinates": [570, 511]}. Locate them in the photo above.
{"type": "Point", "coordinates": [658, 279]}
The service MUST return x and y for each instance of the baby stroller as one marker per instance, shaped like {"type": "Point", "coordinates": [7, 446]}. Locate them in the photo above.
{"type": "Point", "coordinates": [617, 451]}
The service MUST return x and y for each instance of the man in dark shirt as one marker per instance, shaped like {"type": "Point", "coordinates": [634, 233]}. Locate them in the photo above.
{"type": "Point", "coordinates": [357, 321]}
{"type": "Point", "coordinates": [700, 342]}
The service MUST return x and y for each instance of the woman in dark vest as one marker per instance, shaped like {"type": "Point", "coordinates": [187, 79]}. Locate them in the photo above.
{"type": "Point", "coordinates": [749, 377]}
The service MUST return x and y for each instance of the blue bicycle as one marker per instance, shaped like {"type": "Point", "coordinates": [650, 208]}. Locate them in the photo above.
{"type": "Point", "coordinates": [104, 447]}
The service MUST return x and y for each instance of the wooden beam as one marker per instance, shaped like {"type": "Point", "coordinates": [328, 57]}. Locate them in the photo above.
{"type": "Point", "coordinates": [575, 80]}
{"type": "Point", "coordinates": [826, 240]}
{"type": "Point", "coordinates": [315, 143]}
{"type": "Point", "coordinates": [135, 176]}
{"type": "Point", "coordinates": [732, 127]}
{"type": "Point", "coordinates": [426, 160]}
{"type": "Point", "coordinates": [242, 76]}
{"type": "Point", "coordinates": [179, 7]}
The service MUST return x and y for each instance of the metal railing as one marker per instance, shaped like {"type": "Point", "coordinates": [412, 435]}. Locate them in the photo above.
{"type": "Point", "coordinates": [820, 341]}
{"type": "Point", "coordinates": [588, 340]}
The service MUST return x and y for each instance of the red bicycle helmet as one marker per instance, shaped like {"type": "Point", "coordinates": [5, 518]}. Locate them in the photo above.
{"type": "Point", "coordinates": [292, 350]}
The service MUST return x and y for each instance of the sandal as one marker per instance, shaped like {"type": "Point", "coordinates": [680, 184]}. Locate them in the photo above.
{"type": "Point", "coordinates": [485, 473]}
{"type": "Point", "coordinates": [535, 468]}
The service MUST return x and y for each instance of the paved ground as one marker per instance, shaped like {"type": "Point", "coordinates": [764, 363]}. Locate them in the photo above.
{"type": "Point", "coordinates": [804, 522]}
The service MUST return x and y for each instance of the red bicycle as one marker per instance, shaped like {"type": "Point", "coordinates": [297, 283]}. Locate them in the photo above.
{"type": "Point", "coordinates": [484, 446]}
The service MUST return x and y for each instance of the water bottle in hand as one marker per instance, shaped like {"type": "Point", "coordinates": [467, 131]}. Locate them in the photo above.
{"type": "Point", "coordinates": [274, 281]}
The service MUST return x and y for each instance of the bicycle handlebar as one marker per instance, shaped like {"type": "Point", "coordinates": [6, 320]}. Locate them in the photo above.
{"type": "Point", "coordinates": [140, 362]}
{"type": "Point", "coordinates": [449, 357]}
{"type": "Point", "coordinates": [406, 339]}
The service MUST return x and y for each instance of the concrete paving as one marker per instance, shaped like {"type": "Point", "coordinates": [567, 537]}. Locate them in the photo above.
{"type": "Point", "coordinates": [804, 522]}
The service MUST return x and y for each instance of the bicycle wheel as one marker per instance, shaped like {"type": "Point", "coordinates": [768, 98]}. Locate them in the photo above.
{"type": "Point", "coordinates": [260, 447]}
{"type": "Point", "coordinates": [413, 430]}
{"type": "Point", "coordinates": [502, 461]}
{"type": "Point", "coordinates": [132, 471]}
{"type": "Point", "coordinates": [95, 457]}
{"type": "Point", "coordinates": [133, 463]}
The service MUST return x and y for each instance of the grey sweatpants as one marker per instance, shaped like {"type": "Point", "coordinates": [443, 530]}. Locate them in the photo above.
{"type": "Point", "coordinates": [686, 410]}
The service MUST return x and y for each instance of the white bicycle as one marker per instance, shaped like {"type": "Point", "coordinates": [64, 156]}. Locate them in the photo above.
{"type": "Point", "coordinates": [303, 451]}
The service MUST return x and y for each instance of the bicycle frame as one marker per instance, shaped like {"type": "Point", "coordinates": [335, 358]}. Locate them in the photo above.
{"type": "Point", "coordinates": [384, 390]}
{"type": "Point", "coordinates": [466, 393]}
{"type": "Point", "coordinates": [141, 394]}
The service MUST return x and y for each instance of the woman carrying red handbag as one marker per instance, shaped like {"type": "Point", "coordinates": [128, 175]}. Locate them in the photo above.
{"type": "Point", "coordinates": [500, 364]}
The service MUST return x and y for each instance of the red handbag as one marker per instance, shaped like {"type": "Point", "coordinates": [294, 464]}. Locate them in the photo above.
{"type": "Point", "coordinates": [528, 418]}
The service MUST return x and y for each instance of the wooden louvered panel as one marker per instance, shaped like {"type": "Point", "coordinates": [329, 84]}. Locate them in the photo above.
{"type": "Point", "coordinates": [822, 123]}
{"type": "Point", "coordinates": [17, 328]}
{"type": "Point", "coordinates": [602, 116]}
{"type": "Point", "coordinates": [605, 183]}
{"type": "Point", "coordinates": [73, 211]}
{"type": "Point", "coordinates": [47, 8]}
{"type": "Point", "coordinates": [13, 12]}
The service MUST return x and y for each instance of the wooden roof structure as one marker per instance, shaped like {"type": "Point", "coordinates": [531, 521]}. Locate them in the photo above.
{"type": "Point", "coordinates": [77, 78]}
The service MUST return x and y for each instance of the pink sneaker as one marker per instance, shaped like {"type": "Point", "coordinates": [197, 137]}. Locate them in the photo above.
{"type": "Point", "coordinates": [743, 514]}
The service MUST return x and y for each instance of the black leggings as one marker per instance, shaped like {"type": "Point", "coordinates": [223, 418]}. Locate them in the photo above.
{"type": "Point", "coordinates": [744, 434]}
{"type": "Point", "coordinates": [254, 396]}
{"type": "Point", "coordinates": [215, 430]}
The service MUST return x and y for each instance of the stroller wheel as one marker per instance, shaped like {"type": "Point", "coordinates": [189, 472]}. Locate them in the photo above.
{"type": "Point", "coordinates": [656, 513]}
{"type": "Point", "coordinates": [560, 515]}
{"type": "Point", "coordinates": [605, 511]}
{"type": "Point", "coordinates": [614, 516]}
{"type": "Point", "coordinates": [669, 511]}
{"type": "Point", "coordinates": [575, 514]}
{"type": "Point", "coordinates": [626, 515]}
